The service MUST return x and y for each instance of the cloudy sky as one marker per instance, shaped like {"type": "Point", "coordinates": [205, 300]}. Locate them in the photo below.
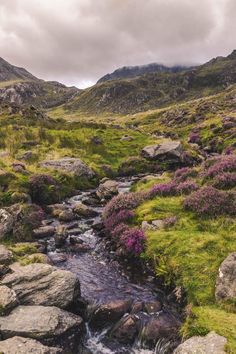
{"type": "Point", "coordinates": [78, 41]}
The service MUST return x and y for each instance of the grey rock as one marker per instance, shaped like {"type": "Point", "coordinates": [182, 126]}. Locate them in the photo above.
{"type": "Point", "coordinates": [43, 284]}
{"type": "Point", "coordinates": [6, 223]}
{"type": "Point", "coordinates": [126, 329]}
{"type": "Point", "coordinates": [8, 299]}
{"type": "Point", "coordinates": [69, 164]}
{"type": "Point", "coordinates": [5, 255]}
{"type": "Point", "coordinates": [210, 344]}
{"type": "Point", "coordinates": [169, 151]}
{"type": "Point", "coordinates": [48, 324]}
{"type": "Point", "coordinates": [107, 189]}
{"type": "Point", "coordinates": [44, 231]}
{"type": "Point", "coordinates": [226, 281]}
{"type": "Point", "coordinates": [20, 345]}
{"type": "Point", "coordinates": [83, 210]}
{"type": "Point", "coordinates": [66, 215]}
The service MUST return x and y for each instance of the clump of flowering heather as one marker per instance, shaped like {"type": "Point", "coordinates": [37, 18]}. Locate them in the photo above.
{"type": "Point", "coordinates": [44, 189]}
{"type": "Point", "coordinates": [169, 222]}
{"type": "Point", "coordinates": [182, 174]}
{"type": "Point", "coordinates": [186, 187]}
{"type": "Point", "coordinates": [133, 241]}
{"type": "Point", "coordinates": [209, 201]}
{"type": "Point", "coordinates": [117, 232]}
{"type": "Point", "coordinates": [216, 166]}
{"type": "Point", "coordinates": [163, 189]}
{"type": "Point", "coordinates": [117, 218]}
{"type": "Point", "coordinates": [123, 201]}
{"type": "Point", "coordinates": [225, 180]}
{"type": "Point", "coordinates": [194, 138]}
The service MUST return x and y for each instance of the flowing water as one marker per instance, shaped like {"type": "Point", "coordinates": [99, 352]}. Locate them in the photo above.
{"type": "Point", "coordinates": [102, 278]}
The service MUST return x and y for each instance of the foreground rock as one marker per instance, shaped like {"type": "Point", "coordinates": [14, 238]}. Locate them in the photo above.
{"type": "Point", "coordinates": [43, 284]}
{"type": "Point", "coordinates": [226, 281]}
{"type": "Point", "coordinates": [169, 151]}
{"type": "Point", "coordinates": [48, 324]}
{"type": "Point", "coordinates": [44, 231]}
{"type": "Point", "coordinates": [20, 345]}
{"type": "Point", "coordinates": [69, 164]}
{"type": "Point", "coordinates": [82, 210]}
{"type": "Point", "coordinates": [210, 344]}
{"type": "Point", "coordinates": [8, 300]}
{"type": "Point", "coordinates": [6, 223]}
{"type": "Point", "coordinates": [107, 189]}
{"type": "Point", "coordinates": [5, 255]}
{"type": "Point", "coordinates": [109, 313]}
{"type": "Point", "coordinates": [126, 329]}
{"type": "Point", "coordinates": [160, 326]}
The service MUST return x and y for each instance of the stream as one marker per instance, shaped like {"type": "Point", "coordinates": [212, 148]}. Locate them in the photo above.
{"type": "Point", "coordinates": [103, 279]}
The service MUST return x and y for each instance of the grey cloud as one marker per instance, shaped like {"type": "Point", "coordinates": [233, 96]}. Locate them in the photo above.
{"type": "Point", "coordinates": [77, 41]}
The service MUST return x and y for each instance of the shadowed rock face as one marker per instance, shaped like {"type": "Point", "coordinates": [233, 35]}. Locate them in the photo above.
{"type": "Point", "coordinates": [210, 344]}
{"type": "Point", "coordinates": [43, 284]}
{"type": "Point", "coordinates": [49, 324]}
{"type": "Point", "coordinates": [226, 281]}
{"type": "Point", "coordinates": [20, 345]}
{"type": "Point", "coordinates": [10, 72]}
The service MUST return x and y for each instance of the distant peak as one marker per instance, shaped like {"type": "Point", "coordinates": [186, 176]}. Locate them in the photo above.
{"type": "Point", "coordinates": [233, 54]}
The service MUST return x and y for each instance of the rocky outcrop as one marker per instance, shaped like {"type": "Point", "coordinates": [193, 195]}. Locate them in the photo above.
{"type": "Point", "coordinates": [20, 345]}
{"type": "Point", "coordinates": [5, 255]}
{"type": "Point", "coordinates": [169, 151]}
{"type": "Point", "coordinates": [107, 189]}
{"type": "Point", "coordinates": [226, 281]}
{"type": "Point", "coordinates": [6, 223]}
{"type": "Point", "coordinates": [71, 165]}
{"type": "Point", "coordinates": [8, 300]}
{"type": "Point", "coordinates": [43, 284]}
{"type": "Point", "coordinates": [50, 325]}
{"type": "Point", "coordinates": [210, 344]}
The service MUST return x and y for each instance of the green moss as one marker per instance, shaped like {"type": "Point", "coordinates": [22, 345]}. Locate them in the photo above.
{"type": "Point", "coordinates": [210, 318]}
{"type": "Point", "coordinates": [22, 249]}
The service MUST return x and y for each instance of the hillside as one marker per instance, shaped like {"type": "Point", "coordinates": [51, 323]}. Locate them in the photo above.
{"type": "Point", "coordinates": [10, 72]}
{"type": "Point", "coordinates": [156, 90]}
{"type": "Point", "coordinates": [127, 72]}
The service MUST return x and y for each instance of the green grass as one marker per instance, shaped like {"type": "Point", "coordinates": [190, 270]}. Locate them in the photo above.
{"type": "Point", "coordinates": [188, 255]}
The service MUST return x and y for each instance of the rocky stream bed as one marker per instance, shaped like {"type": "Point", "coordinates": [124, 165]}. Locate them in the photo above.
{"type": "Point", "coordinates": [85, 300]}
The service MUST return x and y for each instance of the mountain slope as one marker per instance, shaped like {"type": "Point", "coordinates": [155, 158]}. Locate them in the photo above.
{"type": "Point", "coordinates": [10, 72]}
{"type": "Point", "coordinates": [20, 87]}
{"type": "Point", "coordinates": [157, 90]}
{"type": "Point", "coordinates": [127, 72]}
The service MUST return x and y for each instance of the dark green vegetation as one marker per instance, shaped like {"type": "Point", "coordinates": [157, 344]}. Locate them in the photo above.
{"type": "Point", "coordinates": [196, 106]}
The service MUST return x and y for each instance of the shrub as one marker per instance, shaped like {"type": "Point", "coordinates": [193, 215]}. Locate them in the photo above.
{"type": "Point", "coordinates": [169, 222]}
{"type": "Point", "coordinates": [133, 241]}
{"type": "Point", "coordinates": [117, 232]}
{"type": "Point", "coordinates": [28, 217]}
{"type": "Point", "coordinates": [117, 218]}
{"type": "Point", "coordinates": [211, 202]}
{"type": "Point", "coordinates": [213, 167]}
{"type": "Point", "coordinates": [225, 180]}
{"type": "Point", "coordinates": [184, 173]}
{"type": "Point", "coordinates": [194, 138]}
{"type": "Point", "coordinates": [186, 187]}
{"type": "Point", "coordinates": [44, 189]}
{"type": "Point", "coordinates": [123, 201]}
{"type": "Point", "coordinates": [163, 189]}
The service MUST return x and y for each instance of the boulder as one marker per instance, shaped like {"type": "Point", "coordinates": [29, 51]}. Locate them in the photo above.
{"type": "Point", "coordinates": [6, 223]}
{"type": "Point", "coordinates": [159, 326]}
{"type": "Point", "coordinates": [107, 189]}
{"type": "Point", "coordinates": [109, 313]}
{"type": "Point", "coordinates": [8, 300]}
{"type": "Point", "coordinates": [71, 165]}
{"type": "Point", "coordinates": [126, 329]}
{"type": "Point", "coordinates": [66, 215]}
{"type": "Point", "coordinates": [50, 325]}
{"type": "Point", "coordinates": [226, 281]}
{"type": "Point", "coordinates": [56, 209]}
{"type": "Point", "coordinates": [126, 138]}
{"type": "Point", "coordinates": [152, 307]}
{"type": "Point", "coordinates": [43, 284]}
{"type": "Point", "coordinates": [210, 344]}
{"type": "Point", "coordinates": [20, 345]}
{"type": "Point", "coordinates": [82, 210]}
{"type": "Point", "coordinates": [169, 151]}
{"type": "Point", "coordinates": [44, 231]}
{"type": "Point", "coordinates": [5, 255]}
